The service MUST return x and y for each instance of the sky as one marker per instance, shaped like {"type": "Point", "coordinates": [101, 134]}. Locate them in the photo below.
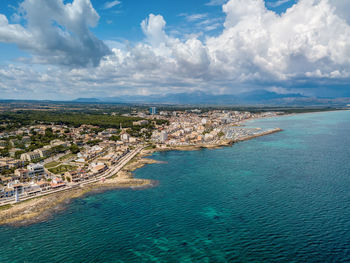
{"type": "Point", "coordinates": [68, 49]}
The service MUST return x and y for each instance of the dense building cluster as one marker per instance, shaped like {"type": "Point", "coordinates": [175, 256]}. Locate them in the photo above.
{"type": "Point", "coordinates": [46, 157]}
{"type": "Point", "coordinates": [194, 127]}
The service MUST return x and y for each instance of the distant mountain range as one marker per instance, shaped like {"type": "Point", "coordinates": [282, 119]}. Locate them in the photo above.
{"type": "Point", "coordinates": [260, 97]}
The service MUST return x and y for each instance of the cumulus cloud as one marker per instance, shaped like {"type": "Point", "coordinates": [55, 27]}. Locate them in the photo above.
{"type": "Point", "coordinates": [342, 8]}
{"type": "Point", "coordinates": [153, 28]}
{"type": "Point", "coordinates": [308, 37]}
{"type": "Point", "coordinates": [256, 49]}
{"type": "Point", "coordinates": [56, 33]}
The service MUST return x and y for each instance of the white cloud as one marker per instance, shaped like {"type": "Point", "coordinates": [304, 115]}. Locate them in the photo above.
{"type": "Point", "coordinates": [196, 17]}
{"type": "Point", "coordinates": [257, 48]}
{"type": "Point", "coordinates": [216, 2]}
{"type": "Point", "coordinates": [111, 4]}
{"type": "Point", "coordinates": [260, 43]}
{"type": "Point", "coordinates": [342, 8]}
{"type": "Point", "coordinates": [153, 28]}
{"type": "Point", "coordinates": [277, 3]}
{"type": "Point", "coordinates": [56, 33]}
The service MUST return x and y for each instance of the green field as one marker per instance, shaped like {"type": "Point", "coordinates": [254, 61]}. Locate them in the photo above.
{"type": "Point", "coordinates": [62, 169]}
{"type": "Point", "coordinates": [67, 156]}
{"type": "Point", "coordinates": [51, 164]}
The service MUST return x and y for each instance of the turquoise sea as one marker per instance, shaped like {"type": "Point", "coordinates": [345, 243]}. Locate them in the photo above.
{"type": "Point", "coordinates": [279, 198]}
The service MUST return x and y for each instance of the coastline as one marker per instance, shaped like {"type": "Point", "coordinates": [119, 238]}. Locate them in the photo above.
{"type": "Point", "coordinates": [40, 209]}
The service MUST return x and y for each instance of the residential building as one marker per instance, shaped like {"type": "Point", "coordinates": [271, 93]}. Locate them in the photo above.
{"type": "Point", "coordinates": [44, 152]}
{"type": "Point", "coordinates": [44, 185]}
{"type": "Point", "coordinates": [5, 180]}
{"type": "Point", "coordinates": [22, 173]}
{"type": "Point", "coordinates": [163, 136]}
{"type": "Point", "coordinates": [3, 167]}
{"type": "Point", "coordinates": [97, 169]}
{"type": "Point", "coordinates": [36, 170]}
{"type": "Point", "coordinates": [140, 123]}
{"type": "Point", "coordinates": [57, 183]}
{"type": "Point", "coordinates": [12, 163]}
{"type": "Point", "coordinates": [26, 139]}
{"type": "Point", "coordinates": [56, 143]}
{"type": "Point", "coordinates": [30, 156]}
{"type": "Point", "coordinates": [125, 137]}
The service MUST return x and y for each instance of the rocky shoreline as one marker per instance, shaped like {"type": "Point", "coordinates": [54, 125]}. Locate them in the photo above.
{"type": "Point", "coordinates": [41, 208]}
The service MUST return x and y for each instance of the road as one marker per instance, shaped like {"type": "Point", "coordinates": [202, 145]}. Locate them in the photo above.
{"type": "Point", "coordinates": [114, 169]}
{"type": "Point", "coordinates": [106, 174]}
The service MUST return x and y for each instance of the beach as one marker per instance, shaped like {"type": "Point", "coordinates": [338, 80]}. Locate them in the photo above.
{"type": "Point", "coordinates": [41, 208]}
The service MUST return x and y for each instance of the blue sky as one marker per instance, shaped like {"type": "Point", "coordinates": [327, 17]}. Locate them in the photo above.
{"type": "Point", "coordinates": [111, 48]}
{"type": "Point", "coordinates": [122, 21]}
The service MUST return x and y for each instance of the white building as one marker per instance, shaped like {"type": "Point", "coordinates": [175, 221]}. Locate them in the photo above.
{"type": "Point", "coordinates": [36, 170]}
{"type": "Point", "coordinates": [30, 156]}
{"type": "Point", "coordinates": [163, 136]}
{"type": "Point", "coordinates": [44, 152]}
{"type": "Point", "coordinates": [56, 143]}
{"type": "Point", "coordinates": [140, 123]}
{"type": "Point", "coordinates": [125, 137]}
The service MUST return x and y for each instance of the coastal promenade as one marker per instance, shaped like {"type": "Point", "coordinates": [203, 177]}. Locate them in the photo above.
{"type": "Point", "coordinates": [235, 135]}
{"type": "Point", "coordinates": [106, 174]}
{"type": "Point", "coordinates": [114, 169]}
{"type": "Point", "coordinates": [259, 134]}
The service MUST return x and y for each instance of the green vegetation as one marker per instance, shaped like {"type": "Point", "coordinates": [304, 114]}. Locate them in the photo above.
{"type": "Point", "coordinates": [40, 140]}
{"type": "Point", "coordinates": [62, 169]}
{"type": "Point", "coordinates": [5, 207]}
{"type": "Point", "coordinates": [4, 152]}
{"type": "Point", "coordinates": [208, 130]}
{"type": "Point", "coordinates": [51, 164]}
{"type": "Point", "coordinates": [18, 153]}
{"type": "Point", "coordinates": [20, 118]}
{"type": "Point", "coordinates": [221, 134]}
{"type": "Point", "coordinates": [8, 171]}
{"type": "Point", "coordinates": [38, 160]}
{"type": "Point", "coordinates": [58, 149]}
{"type": "Point", "coordinates": [150, 147]}
{"type": "Point", "coordinates": [93, 142]}
{"type": "Point", "coordinates": [74, 149]}
{"type": "Point", "coordinates": [115, 138]}
{"type": "Point", "coordinates": [67, 156]}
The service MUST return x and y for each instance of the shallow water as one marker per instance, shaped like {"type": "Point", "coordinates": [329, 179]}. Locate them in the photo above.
{"type": "Point", "coordinates": [279, 198]}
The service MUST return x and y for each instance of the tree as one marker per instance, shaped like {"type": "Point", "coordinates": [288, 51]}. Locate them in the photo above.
{"type": "Point", "coordinates": [18, 154]}
{"type": "Point", "coordinates": [74, 148]}
{"type": "Point", "coordinates": [220, 134]}
{"type": "Point", "coordinates": [93, 142]}
{"type": "Point", "coordinates": [5, 152]}
{"type": "Point", "coordinates": [115, 138]}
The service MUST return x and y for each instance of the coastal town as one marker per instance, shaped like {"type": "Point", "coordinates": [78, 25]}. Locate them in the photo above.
{"type": "Point", "coordinates": [42, 159]}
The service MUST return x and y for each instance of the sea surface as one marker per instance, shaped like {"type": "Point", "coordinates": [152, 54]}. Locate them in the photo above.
{"type": "Point", "coordinates": [284, 197]}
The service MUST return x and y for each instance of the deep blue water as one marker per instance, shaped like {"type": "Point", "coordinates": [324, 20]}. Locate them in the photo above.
{"type": "Point", "coordinates": [279, 198]}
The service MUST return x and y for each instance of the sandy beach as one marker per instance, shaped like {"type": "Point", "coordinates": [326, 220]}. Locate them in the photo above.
{"type": "Point", "coordinates": [41, 208]}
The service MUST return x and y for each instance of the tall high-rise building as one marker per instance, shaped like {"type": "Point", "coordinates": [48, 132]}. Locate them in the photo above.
{"type": "Point", "coordinates": [153, 110]}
